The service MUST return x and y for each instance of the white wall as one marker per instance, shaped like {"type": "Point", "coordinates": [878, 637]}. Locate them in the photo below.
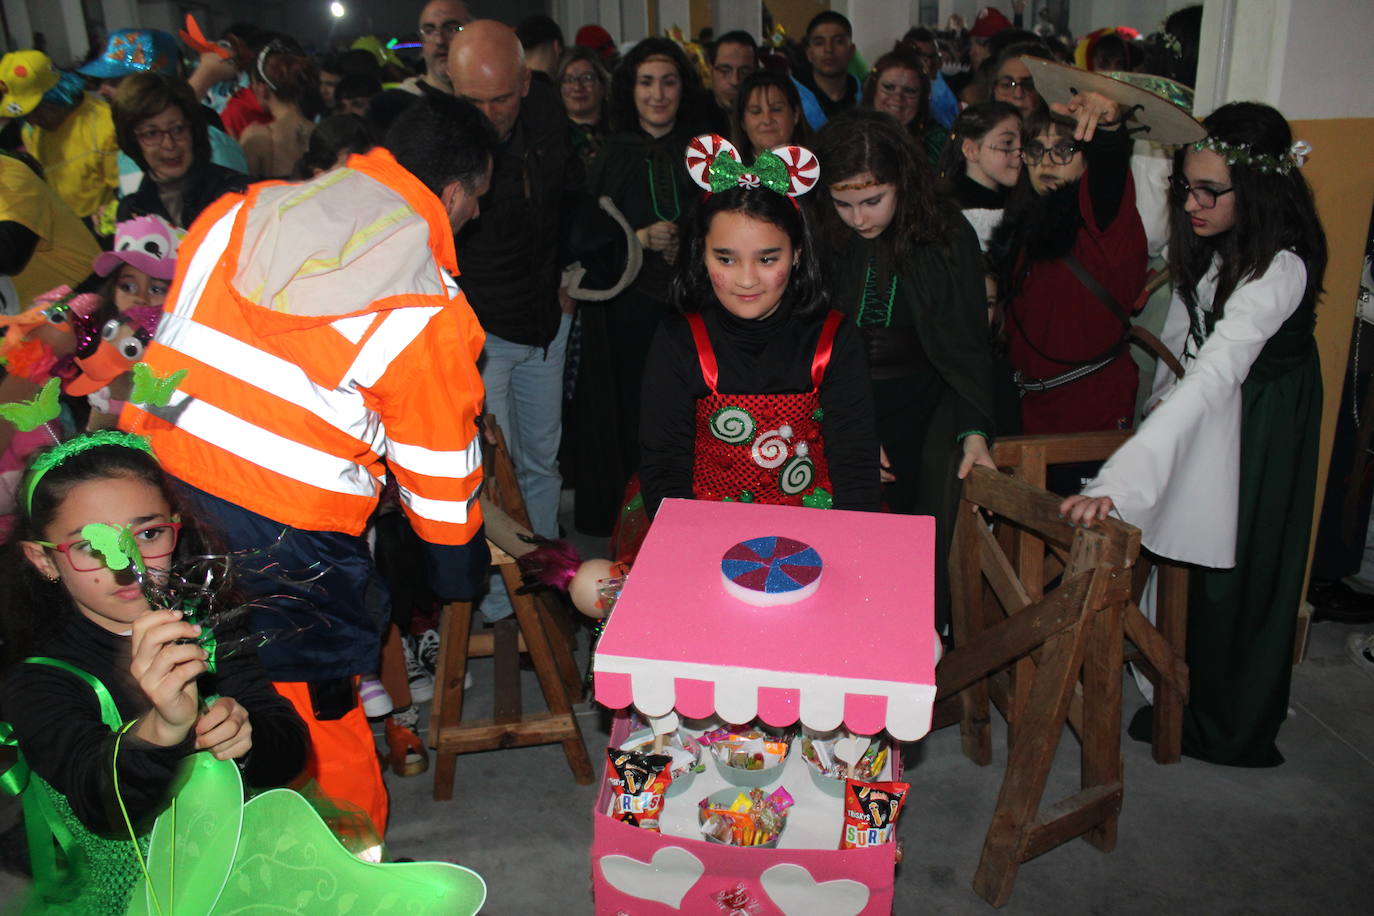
{"type": "Point", "coordinates": [1309, 59]}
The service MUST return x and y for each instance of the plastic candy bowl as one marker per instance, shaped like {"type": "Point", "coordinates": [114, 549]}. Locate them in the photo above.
{"type": "Point", "coordinates": [684, 750]}
{"type": "Point", "coordinates": [724, 799]}
{"type": "Point", "coordinates": [745, 776]}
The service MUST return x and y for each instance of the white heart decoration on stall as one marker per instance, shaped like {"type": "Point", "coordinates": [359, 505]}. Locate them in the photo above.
{"type": "Point", "coordinates": [849, 750]}
{"type": "Point", "coordinates": [665, 879]}
{"type": "Point", "coordinates": [796, 893]}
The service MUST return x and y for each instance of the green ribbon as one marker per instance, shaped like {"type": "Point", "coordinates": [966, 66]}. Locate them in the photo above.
{"type": "Point", "coordinates": [768, 170]}
{"type": "Point", "coordinates": [16, 778]}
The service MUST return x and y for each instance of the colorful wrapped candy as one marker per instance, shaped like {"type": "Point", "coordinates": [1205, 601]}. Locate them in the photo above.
{"type": "Point", "coordinates": [752, 819]}
{"type": "Point", "coordinates": [750, 749]}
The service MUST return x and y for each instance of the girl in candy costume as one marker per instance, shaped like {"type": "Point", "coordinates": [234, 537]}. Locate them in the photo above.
{"type": "Point", "coordinates": [1222, 471]}
{"type": "Point", "coordinates": [755, 390]}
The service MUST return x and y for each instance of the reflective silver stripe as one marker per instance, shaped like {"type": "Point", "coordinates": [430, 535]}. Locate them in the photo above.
{"type": "Point", "coordinates": [433, 463]}
{"type": "Point", "coordinates": [267, 449]}
{"type": "Point", "coordinates": [451, 511]}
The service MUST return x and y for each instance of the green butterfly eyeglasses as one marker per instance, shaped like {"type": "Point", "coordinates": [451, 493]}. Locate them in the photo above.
{"type": "Point", "coordinates": [154, 542]}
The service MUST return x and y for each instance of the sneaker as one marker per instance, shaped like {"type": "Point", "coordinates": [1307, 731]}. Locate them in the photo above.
{"type": "Point", "coordinates": [427, 651]}
{"type": "Point", "coordinates": [376, 701]}
{"type": "Point", "coordinates": [421, 682]}
{"type": "Point", "coordinates": [405, 751]}
{"type": "Point", "coordinates": [1360, 648]}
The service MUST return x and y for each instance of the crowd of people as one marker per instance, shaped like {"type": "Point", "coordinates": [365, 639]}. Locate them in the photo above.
{"type": "Point", "coordinates": [355, 262]}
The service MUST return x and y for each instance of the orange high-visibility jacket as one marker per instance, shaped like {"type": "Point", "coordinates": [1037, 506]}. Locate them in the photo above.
{"type": "Point", "coordinates": [323, 332]}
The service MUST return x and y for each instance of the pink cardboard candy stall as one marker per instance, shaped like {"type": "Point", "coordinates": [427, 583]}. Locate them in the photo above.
{"type": "Point", "coordinates": [859, 653]}
{"type": "Point", "coordinates": [643, 873]}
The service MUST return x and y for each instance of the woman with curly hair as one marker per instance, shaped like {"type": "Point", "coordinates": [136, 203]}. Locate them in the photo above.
{"type": "Point", "coordinates": [655, 105]}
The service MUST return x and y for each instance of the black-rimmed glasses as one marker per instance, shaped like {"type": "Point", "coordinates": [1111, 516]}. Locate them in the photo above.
{"type": "Point", "coordinates": [1206, 197]}
{"type": "Point", "coordinates": [1008, 83]}
{"type": "Point", "coordinates": [1060, 153]}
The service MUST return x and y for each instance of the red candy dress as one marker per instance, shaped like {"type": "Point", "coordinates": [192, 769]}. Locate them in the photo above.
{"type": "Point", "coordinates": [761, 447]}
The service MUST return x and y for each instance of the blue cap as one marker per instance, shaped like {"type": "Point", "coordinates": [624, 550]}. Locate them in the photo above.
{"type": "Point", "coordinates": [130, 51]}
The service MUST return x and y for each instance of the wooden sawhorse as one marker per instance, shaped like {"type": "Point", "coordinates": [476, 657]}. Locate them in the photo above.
{"type": "Point", "coordinates": [1074, 631]}
{"type": "Point", "coordinates": [1159, 647]}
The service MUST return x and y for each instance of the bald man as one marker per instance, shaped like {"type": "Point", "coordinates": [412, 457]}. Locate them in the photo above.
{"type": "Point", "coordinates": [440, 20]}
{"type": "Point", "coordinates": [510, 258]}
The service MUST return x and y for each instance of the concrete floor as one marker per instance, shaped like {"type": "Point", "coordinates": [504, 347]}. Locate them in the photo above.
{"type": "Point", "coordinates": [1194, 838]}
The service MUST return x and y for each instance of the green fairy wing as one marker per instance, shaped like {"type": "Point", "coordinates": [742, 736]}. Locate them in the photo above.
{"type": "Point", "coordinates": [191, 852]}
{"type": "Point", "coordinates": [212, 854]}
{"type": "Point", "coordinates": [289, 861]}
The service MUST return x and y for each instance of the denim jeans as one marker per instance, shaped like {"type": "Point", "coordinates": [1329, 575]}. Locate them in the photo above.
{"type": "Point", "coordinates": [525, 395]}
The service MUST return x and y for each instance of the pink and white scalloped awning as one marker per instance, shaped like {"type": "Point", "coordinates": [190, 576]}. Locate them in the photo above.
{"type": "Point", "coordinates": [860, 651]}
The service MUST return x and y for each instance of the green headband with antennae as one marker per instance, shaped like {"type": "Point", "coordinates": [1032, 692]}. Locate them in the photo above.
{"type": "Point", "coordinates": [54, 457]}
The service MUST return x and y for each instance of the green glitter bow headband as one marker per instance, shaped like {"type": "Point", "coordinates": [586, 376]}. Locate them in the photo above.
{"type": "Point", "coordinates": [1242, 154]}
{"type": "Point", "coordinates": [55, 456]}
{"type": "Point", "coordinates": [714, 164]}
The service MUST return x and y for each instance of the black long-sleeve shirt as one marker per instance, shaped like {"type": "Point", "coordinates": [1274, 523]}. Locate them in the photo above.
{"type": "Point", "coordinates": [767, 356]}
{"type": "Point", "coordinates": [56, 717]}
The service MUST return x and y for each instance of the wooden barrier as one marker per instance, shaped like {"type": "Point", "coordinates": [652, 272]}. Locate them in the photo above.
{"type": "Point", "coordinates": [1053, 638]}
{"type": "Point", "coordinates": [1159, 647]}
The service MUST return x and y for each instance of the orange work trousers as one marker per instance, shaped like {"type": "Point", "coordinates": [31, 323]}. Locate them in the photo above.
{"type": "Point", "coordinates": [343, 755]}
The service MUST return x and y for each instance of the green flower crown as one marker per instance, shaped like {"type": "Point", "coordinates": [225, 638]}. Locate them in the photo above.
{"type": "Point", "coordinates": [1240, 153]}
{"type": "Point", "coordinates": [54, 457]}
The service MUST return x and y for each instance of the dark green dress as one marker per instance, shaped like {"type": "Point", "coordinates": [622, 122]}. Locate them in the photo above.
{"type": "Point", "coordinates": [647, 180]}
{"type": "Point", "coordinates": [1242, 620]}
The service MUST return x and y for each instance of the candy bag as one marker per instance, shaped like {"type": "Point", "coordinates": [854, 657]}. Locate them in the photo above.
{"type": "Point", "coordinates": [638, 782]}
{"type": "Point", "coordinates": [870, 812]}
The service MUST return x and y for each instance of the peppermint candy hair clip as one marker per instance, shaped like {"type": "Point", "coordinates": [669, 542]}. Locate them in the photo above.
{"type": "Point", "coordinates": [714, 164]}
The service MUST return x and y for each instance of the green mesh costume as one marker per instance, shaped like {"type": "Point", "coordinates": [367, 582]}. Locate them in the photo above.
{"type": "Point", "coordinates": [210, 853]}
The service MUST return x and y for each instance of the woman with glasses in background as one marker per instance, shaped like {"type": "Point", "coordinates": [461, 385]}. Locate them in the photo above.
{"type": "Point", "coordinates": [159, 125]}
{"type": "Point", "coordinates": [898, 86]}
{"type": "Point", "coordinates": [1012, 82]}
{"type": "Point", "coordinates": [585, 87]}
{"type": "Point", "coordinates": [1070, 260]}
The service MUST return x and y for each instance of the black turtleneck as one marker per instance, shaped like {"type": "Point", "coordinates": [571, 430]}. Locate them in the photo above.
{"type": "Point", "coordinates": [767, 356]}
{"type": "Point", "coordinates": [56, 718]}
{"type": "Point", "coordinates": [973, 196]}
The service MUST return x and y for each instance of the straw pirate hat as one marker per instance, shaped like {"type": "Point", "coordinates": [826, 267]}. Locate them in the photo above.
{"type": "Point", "coordinates": [1150, 115]}
{"type": "Point", "coordinates": [24, 77]}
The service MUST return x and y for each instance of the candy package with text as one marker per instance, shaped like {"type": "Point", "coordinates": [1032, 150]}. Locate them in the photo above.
{"type": "Point", "coordinates": [870, 812]}
{"type": "Point", "coordinates": [638, 782]}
